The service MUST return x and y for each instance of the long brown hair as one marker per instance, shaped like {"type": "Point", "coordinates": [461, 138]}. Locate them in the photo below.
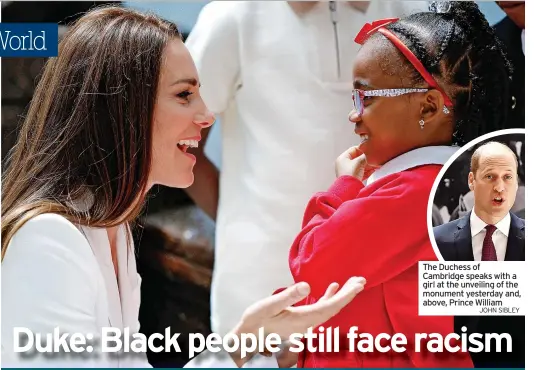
{"type": "Point", "coordinates": [87, 133]}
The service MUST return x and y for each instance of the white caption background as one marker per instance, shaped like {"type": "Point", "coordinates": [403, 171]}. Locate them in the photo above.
{"type": "Point", "coordinates": [472, 288]}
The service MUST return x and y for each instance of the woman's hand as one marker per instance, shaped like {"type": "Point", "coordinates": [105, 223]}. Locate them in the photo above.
{"type": "Point", "coordinates": [276, 313]}
{"type": "Point", "coordinates": [353, 162]}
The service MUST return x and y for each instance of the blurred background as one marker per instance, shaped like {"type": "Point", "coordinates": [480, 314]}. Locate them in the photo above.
{"type": "Point", "coordinates": [453, 199]}
{"type": "Point", "coordinates": [175, 239]}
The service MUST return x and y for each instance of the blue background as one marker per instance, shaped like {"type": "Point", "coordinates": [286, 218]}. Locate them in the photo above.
{"type": "Point", "coordinates": [22, 29]}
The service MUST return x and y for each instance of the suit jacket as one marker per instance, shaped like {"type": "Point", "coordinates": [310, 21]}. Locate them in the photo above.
{"type": "Point", "coordinates": [510, 35]}
{"type": "Point", "coordinates": [454, 242]}
{"type": "Point", "coordinates": [57, 274]}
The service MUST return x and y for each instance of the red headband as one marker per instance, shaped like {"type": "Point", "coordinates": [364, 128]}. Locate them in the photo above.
{"type": "Point", "coordinates": [368, 29]}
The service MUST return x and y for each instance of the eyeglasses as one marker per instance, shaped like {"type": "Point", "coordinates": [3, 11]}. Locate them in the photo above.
{"type": "Point", "coordinates": [359, 95]}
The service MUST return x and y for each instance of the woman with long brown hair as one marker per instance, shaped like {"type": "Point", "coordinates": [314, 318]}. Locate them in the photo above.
{"type": "Point", "coordinates": [113, 114]}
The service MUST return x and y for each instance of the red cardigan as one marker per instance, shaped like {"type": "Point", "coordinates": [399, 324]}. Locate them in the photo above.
{"type": "Point", "coordinates": [378, 232]}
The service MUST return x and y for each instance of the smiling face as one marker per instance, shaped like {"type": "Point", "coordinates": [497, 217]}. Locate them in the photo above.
{"type": "Point", "coordinates": [179, 116]}
{"type": "Point", "coordinates": [494, 182]}
{"type": "Point", "coordinates": [389, 126]}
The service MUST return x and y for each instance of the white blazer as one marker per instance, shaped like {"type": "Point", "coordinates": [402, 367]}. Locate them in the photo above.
{"type": "Point", "coordinates": [57, 274]}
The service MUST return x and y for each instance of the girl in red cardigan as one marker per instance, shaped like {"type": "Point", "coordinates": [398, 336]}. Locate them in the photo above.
{"type": "Point", "coordinates": [421, 85]}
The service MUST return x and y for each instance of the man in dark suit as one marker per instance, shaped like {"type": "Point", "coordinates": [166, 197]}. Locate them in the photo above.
{"type": "Point", "coordinates": [490, 232]}
{"type": "Point", "coordinates": [511, 31]}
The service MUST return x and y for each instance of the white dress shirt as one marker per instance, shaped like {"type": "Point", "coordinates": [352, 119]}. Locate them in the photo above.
{"type": "Point", "coordinates": [57, 274]}
{"type": "Point", "coordinates": [523, 41]}
{"type": "Point", "coordinates": [499, 237]}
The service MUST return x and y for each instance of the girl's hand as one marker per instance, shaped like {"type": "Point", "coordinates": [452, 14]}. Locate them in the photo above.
{"type": "Point", "coordinates": [353, 162]}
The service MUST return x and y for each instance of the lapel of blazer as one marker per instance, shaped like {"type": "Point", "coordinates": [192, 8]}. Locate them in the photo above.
{"type": "Point", "coordinates": [462, 240]}
{"type": "Point", "coordinates": [99, 242]}
{"type": "Point", "coordinates": [515, 247]}
{"type": "Point", "coordinates": [128, 279]}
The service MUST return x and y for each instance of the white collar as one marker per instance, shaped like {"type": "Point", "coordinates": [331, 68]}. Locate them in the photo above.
{"type": "Point", "coordinates": [414, 158]}
{"type": "Point", "coordinates": [477, 225]}
{"type": "Point", "coordinates": [523, 40]}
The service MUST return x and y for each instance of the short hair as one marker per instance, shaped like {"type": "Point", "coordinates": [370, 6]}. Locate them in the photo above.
{"type": "Point", "coordinates": [475, 158]}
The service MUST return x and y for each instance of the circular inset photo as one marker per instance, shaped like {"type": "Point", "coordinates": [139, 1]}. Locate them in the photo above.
{"type": "Point", "coordinates": [477, 205]}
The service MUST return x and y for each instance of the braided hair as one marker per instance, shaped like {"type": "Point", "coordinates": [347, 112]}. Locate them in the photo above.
{"type": "Point", "coordinates": [461, 50]}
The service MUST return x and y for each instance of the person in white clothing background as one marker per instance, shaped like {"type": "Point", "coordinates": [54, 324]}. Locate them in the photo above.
{"type": "Point", "coordinates": [113, 114]}
{"type": "Point", "coordinates": [278, 74]}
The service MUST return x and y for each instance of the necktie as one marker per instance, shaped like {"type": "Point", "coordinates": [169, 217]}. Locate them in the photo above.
{"type": "Point", "coordinates": [488, 248]}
